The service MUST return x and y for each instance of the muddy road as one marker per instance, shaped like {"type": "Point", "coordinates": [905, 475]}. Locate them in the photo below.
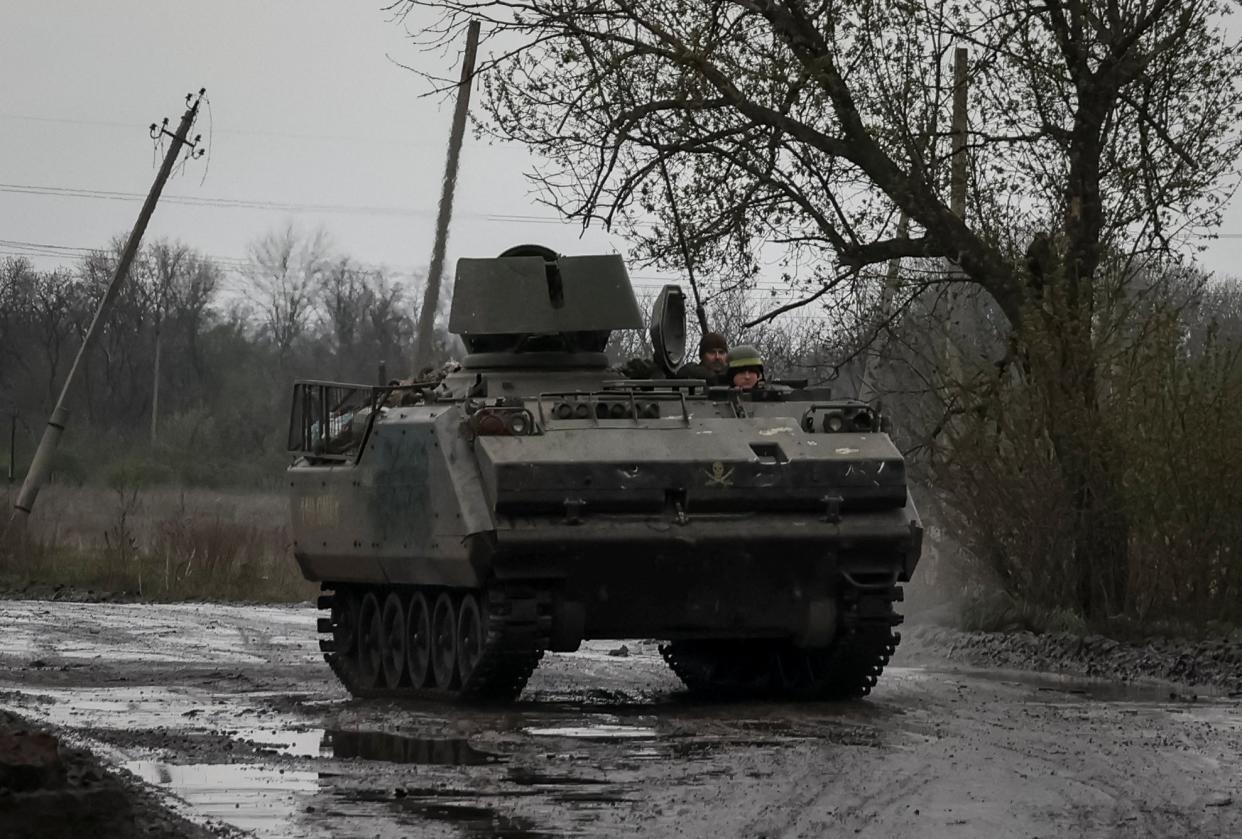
{"type": "Point", "coordinates": [230, 711]}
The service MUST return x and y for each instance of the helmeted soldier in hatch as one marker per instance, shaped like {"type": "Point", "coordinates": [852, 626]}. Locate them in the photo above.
{"type": "Point", "coordinates": [712, 365]}
{"type": "Point", "coordinates": [745, 367]}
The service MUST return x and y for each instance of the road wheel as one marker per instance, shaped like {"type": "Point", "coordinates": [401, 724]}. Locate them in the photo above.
{"type": "Point", "coordinates": [370, 642]}
{"type": "Point", "coordinates": [345, 622]}
{"type": "Point", "coordinates": [418, 640]}
{"type": "Point", "coordinates": [392, 641]}
{"type": "Point", "coordinates": [444, 642]}
{"type": "Point", "coordinates": [470, 636]}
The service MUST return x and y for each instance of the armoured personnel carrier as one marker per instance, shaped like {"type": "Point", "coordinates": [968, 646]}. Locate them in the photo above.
{"type": "Point", "coordinates": [533, 498]}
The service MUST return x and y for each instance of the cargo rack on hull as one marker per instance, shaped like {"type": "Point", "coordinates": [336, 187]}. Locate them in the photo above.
{"type": "Point", "coordinates": [586, 405]}
{"type": "Point", "coordinates": [321, 423]}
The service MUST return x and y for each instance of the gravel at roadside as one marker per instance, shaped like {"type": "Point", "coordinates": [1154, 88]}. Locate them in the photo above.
{"type": "Point", "coordinates": [1215, 664]}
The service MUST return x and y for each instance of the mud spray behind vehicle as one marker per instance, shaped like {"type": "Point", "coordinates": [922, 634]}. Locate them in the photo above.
{"type": "Point", "coordinates": [533, 498]}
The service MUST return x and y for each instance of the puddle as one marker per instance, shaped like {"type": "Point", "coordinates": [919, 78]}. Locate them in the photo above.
{"type": "Point", "coordinates": [399, 748]}
{"type": "Point", "coordinates": [284, 741]}
{"type": "Point", "coordinates": [458, 808]}
{"type": "Point", "coordinates": [575, 798]}
{"type": "Point", "coordinates": [602, 731]}
{"type": "Point", "coordinates": [573, 790]}
{"type": "Point", "coordinates": [124, 632]}
{"type": "Point", "coordinates": [256, 798]}
{"type": "Point", "coordinates": [150, 633]}
{"type": "Point", "coordinates": [532, 778]}
{"type": "Point", "coordinates": [474, 821]}
{"type": "Point", "coordinates": [187, 711]}
{"type": "Point", "coordinates": [131, 708]}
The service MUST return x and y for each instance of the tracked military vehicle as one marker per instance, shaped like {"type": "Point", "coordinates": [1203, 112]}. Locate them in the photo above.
{"type": "Point", "coordinates": [464, 525]}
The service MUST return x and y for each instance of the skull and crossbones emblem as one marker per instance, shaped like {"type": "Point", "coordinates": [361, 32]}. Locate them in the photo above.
{"type": "Point", "coordinates": [718, 477]}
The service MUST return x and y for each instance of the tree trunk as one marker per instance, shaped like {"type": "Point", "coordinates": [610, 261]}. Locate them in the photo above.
{"type": "Point", "coordinates": [1084, 449]}
{"type": "Point", "coordinates": [1101, 536]}
{"type": "Point", "coordinates": [1081, 438]}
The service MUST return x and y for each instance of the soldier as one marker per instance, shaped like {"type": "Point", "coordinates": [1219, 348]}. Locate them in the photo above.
{"type": "Point", "coordinates": [713, 361]}
{"type": "Point", "coordinates": [745, 367]}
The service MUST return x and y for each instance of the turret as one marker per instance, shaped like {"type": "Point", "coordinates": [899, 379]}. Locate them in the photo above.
{"type": "Point", "coordinates": [530, 307]}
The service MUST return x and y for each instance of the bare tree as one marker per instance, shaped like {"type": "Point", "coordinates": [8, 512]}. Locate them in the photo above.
{"type": "Point", "coordinates": [390, 319]}
{"type": "Point", "coordinates": [117, 386]}
{"type": "Point", "coordinates": [344, 298]}
{"type": "Point", "coordinates": [191, 295]}
{"type": "Point", "coordinates": [182, 284]}
{"type": "Point", "coordinates": [59, 312]}
{"type": "Point", "coordinates": [803, 131]}
{"type": "Point", "coordinates": [366, 318]}
{"type": "Point", "coordinates": [17, 278]}
{"type": "Point", "coordinates": [285, 270]}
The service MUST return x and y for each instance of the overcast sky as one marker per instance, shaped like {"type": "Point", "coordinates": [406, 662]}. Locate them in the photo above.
{"type": "Point", "coordinates": [308, 110]}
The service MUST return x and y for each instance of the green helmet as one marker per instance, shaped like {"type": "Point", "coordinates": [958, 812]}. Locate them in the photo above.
{"type": "Point", "coordinates": [744, 355]}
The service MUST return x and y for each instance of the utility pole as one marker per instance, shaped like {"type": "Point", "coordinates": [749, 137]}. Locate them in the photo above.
{"type": "Point", "coordinates": [41, 464]}
{"type": "Point", "coordinates": [431, 297]}
{"type": "Point", "coordinates": [957, 170]}
{"type": "Point", "coordinates": [957, 203]}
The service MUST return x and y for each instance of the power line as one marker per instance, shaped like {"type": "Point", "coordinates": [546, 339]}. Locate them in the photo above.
{"type": "Point", "coordinates": [333, 138]}
{"type": "Point", "coordinates": [43, 245]}
{"type": "Point", "coordinates": [640, 282]}
{"type": "Point", "coordinates": [244, 203]}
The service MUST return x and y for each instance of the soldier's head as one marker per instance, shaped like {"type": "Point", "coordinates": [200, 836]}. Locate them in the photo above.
{"type": "Point", "coordinates": [714, 352]}
{"type": "Point", "coordinates": [745, 367]}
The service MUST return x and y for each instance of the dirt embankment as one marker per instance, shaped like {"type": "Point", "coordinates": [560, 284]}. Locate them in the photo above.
{"type": "Point", "coordinates": [49, 790]}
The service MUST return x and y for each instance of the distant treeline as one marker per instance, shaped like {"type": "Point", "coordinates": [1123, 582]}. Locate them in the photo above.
{"type": "Point", "coordinates": [189, 382]}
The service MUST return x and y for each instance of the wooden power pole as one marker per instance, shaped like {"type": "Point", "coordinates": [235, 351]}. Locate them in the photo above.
{"type": "Point", "coordinates": [41, 464]}
{"type": "Point", "coordinates": [431, 297]}
{"type": "Point", "coordinates": [957, 203]}
{"type": "Point", "coordinates": [957, 161]}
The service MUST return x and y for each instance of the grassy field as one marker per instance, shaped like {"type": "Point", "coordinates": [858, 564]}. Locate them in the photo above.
{"type": "Point", "coordinates": [157, 544]}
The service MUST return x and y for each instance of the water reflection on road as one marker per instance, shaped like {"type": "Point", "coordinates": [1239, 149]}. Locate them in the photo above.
{"type": "Point", "coordinates": [601, 745]}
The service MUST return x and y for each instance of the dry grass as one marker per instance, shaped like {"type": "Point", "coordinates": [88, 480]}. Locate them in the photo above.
{"type": "Point", "coordinates": [159, 544]}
